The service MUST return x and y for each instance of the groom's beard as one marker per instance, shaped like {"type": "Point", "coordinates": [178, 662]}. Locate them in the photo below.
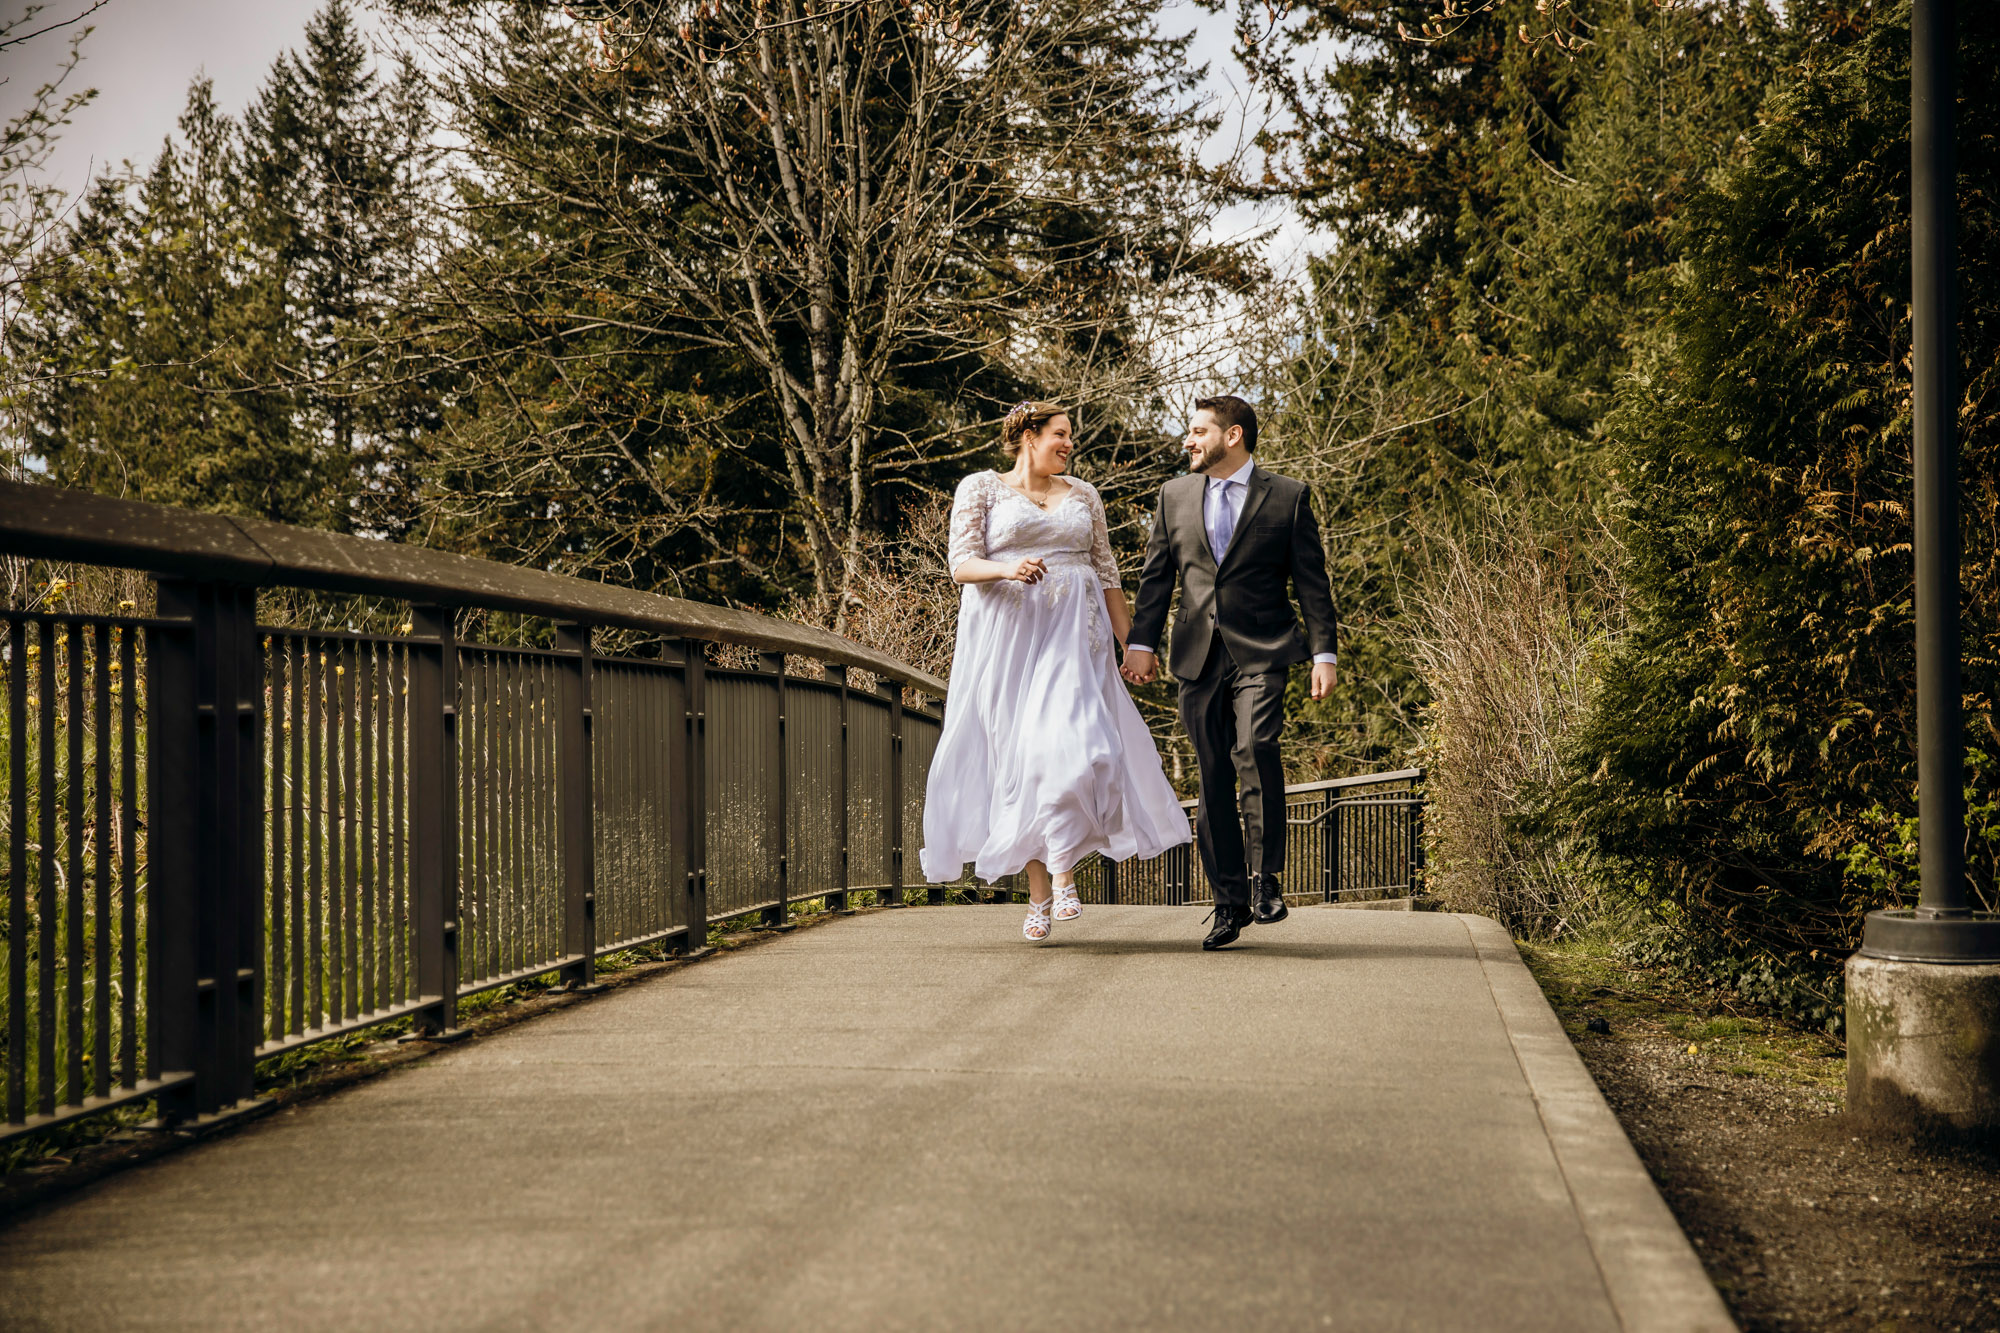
{"type": "Point", "coordinates": [1201, 460]}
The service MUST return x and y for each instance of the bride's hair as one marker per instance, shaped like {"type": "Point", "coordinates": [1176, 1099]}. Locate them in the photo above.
{"type": "Point", "coordinates": [1027, 417]}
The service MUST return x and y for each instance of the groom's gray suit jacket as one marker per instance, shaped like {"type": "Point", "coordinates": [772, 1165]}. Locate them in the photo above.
{"type": "Point", "coordinates": [1243, 600]}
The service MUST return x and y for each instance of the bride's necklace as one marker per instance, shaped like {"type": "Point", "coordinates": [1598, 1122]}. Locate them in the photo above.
{"type": "Point", "coordinates": [1023, 491]}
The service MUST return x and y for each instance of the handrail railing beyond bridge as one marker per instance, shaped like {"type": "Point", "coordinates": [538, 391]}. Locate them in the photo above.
{"type": "Point", "coordinates": [1351, 839]}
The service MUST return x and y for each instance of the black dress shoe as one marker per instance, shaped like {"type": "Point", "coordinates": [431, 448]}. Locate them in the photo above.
{"type": "Point", "coordinates": [1229, 923]}
{"type": "Point", "coordinates": [1268, 900]}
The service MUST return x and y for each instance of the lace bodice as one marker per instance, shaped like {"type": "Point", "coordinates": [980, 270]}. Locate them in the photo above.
{"type": "Point", "coordinates": [990, 520]}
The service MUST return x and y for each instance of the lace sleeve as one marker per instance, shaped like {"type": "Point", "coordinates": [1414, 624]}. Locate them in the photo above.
{"type": "Point", "coordinates": [1100, 541]}
{"type": "Point", "coordinates": [968, 520]}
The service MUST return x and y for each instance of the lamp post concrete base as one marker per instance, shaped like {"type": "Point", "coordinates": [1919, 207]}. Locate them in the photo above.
{"type": "Point", "coordinates": [1923, 1045]}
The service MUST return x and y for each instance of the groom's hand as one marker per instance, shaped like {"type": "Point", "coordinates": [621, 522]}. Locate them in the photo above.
{"type": "Point", "coordinates": [1325, 676]}
{"type": "Point", "coordinates": [1140, 667]}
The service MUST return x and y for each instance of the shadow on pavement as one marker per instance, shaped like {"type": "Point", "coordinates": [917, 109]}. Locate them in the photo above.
{"type": "Point", "coordinates": [1270, 948]}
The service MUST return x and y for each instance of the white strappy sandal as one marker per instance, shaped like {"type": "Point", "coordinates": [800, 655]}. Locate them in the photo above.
{"type": "Point", "coordinates": [1036, 928]}
{"type": "Point", "coordinates": [1068, 906]}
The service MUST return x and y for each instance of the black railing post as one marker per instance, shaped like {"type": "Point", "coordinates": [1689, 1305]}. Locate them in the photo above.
{"type": "Point", "coordinates": [173, 1003]}
{"type": "Point", "coordinates": [837, 901]}
{"type": "Point", "coordinates": [576, 840]}
{"type": "Point", "coordinates": [1110, 880]}
{"type": "Point", "coordinates": [208, 714]}
{"type": "Point", "coordinates": [773, 665]}
{"type": "Point", "coordinates": [1326, 817]}
{"type": "Point", "coordinates": [694, 797]}
{"type": "Point", "coordinates": [17, 871]}
{"type": "Point", "coordinates": [1416, 853]}
{"type": "Point", "coordinates": [936, 894]}
{"type": "Point", "coordinates": [433, 712]}
{"type": "Point", "coordinates": [241, 955]}
{"type": "Point", "coordinates": [1334, 850]}
{"type": "Point", "coordinates": [1422, 851]}
{"type": "Point", "coordinates": [893, 834]}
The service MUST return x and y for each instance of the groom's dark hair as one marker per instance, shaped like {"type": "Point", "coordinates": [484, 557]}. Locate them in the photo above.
{"type": "Point", "coordinates": [1230, 411]}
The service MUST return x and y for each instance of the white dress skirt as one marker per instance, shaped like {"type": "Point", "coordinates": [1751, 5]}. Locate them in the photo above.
{"type": "Point", "coordinates": [1043, 756]}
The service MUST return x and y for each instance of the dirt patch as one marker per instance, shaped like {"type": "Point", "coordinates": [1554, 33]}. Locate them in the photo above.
{"type": "Point", "coordinates": [1803, 1221]}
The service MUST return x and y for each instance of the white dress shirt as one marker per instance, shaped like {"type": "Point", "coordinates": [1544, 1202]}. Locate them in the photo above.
{"type": "Point", "coordinates": [1232, 491]}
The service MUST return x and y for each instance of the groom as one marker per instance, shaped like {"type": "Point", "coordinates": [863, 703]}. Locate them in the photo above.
{"type": "Point", "coordinates": [1233, 534]}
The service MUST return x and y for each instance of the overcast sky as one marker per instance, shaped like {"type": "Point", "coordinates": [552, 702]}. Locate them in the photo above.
{"type": "Point", "coordinates": [140, 58]}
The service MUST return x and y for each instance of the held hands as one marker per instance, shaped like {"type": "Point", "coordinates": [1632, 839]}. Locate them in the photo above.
{"type": "Point", "coordinates": [1140, 668]}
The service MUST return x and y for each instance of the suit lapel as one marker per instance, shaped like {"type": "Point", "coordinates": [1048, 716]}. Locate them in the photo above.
{"type": "Point", "coordinates": [1260, 486]}
{"type": "Point", "coordinates": [1195, 489]}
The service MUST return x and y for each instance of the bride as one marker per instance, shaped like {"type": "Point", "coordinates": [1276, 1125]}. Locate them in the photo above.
{"type": "Point", "coordinates": [1043, 758]}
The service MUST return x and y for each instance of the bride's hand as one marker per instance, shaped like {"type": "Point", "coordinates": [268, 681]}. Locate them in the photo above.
{"type": "Point", "coordinates": [1030, 570]}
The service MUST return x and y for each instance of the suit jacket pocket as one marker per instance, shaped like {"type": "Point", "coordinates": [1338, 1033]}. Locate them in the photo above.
{"type": "Point", "coordinates": [1269, 540]}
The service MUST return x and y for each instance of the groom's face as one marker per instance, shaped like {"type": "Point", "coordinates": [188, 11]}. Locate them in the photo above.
{"type": "Point", "coordinates": [1207, 443]}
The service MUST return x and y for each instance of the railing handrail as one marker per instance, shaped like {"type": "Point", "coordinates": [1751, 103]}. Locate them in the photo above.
{"type": "Point", "coordinates": [1359, 780]}
{"type": "Point", "coordinates": [55, 523]}
{"type": "Point", "coordinates": [1330, 784]}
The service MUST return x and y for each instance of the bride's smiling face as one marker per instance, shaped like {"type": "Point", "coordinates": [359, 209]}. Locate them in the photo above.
{"type": "Point", "coordinates": [1047, 454]}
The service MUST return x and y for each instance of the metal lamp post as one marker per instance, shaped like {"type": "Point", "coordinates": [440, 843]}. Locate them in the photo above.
{"type": "Point", "coordinates": [1923, 993]}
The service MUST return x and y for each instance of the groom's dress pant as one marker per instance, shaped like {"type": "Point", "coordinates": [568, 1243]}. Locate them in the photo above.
{"type": "Point", "coordinates": [1235, 720]}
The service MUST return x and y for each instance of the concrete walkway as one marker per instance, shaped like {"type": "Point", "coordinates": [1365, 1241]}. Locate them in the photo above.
{"type": "Point", "coordinates": [913, 1120]}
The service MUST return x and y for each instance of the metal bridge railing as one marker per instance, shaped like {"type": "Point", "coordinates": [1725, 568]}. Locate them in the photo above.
{"type": "Point", "coordinates": [1350, 839]}
{"type": "Point", "coordinates": [228, 840]}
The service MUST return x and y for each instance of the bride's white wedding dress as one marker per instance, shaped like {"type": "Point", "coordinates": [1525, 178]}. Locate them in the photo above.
{"type": "Point", "coordinates": [1043, 756]}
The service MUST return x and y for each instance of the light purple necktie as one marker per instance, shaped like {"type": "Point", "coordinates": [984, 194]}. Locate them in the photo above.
{"type": "Point", "coordinates": [1225, 520]}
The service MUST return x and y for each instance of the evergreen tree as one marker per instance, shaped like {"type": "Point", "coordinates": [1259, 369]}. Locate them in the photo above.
{"type": "Point", "coordinates": [1501, 213]}
{"type": "Point", "coordinates": [337, 172]}
{"type": "Point", "coordinates": [1757, 727]}
{"type": "Point", "coordinates": [153, 340]}
{"type": "Point", "coordinates": [217, 333]}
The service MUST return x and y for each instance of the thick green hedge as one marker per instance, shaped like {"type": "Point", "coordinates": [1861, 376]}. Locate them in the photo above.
{"type": "Point", "coordinates": [1749, 766]}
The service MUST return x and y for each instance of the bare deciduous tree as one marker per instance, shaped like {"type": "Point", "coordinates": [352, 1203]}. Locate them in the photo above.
{"type": "Point", "coordinates": [30, 208]}
{"type": "Point", "coordinates": [30, 205]}
{"type": "Point", "coordinates": [883, 221]}
{"type": "Point", "coordinates": [1510, 626]}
